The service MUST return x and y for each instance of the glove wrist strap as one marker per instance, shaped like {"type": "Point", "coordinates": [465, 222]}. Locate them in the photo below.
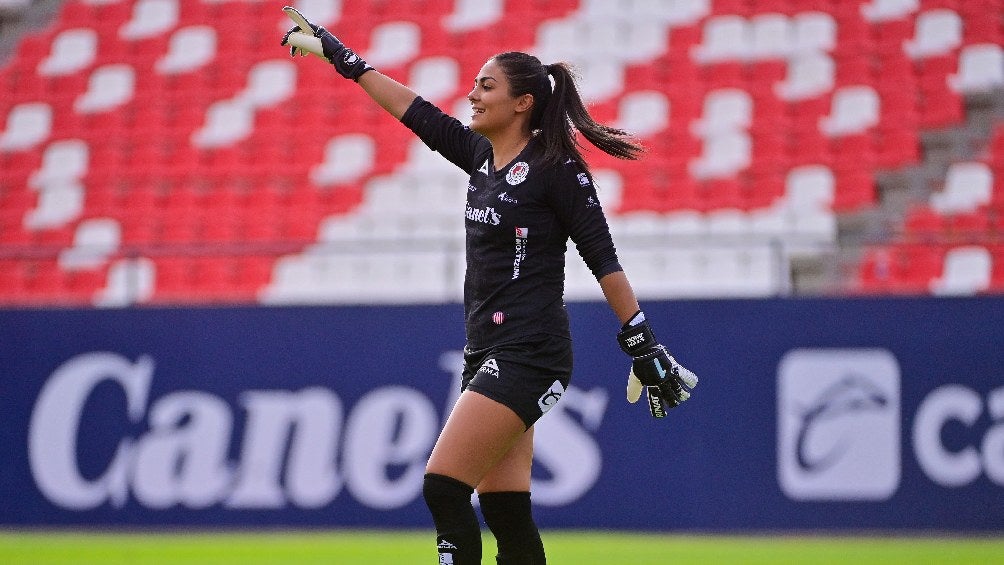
{"type": "Point", "coordinates": [637, 339]}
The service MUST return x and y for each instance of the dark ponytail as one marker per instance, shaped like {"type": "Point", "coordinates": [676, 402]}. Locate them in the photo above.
{"type": "Point", "coordinates": [559, 113]}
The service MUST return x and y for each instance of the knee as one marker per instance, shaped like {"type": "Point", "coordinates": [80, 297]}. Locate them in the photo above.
{"type": "Point", "coordinates": [445, 494]}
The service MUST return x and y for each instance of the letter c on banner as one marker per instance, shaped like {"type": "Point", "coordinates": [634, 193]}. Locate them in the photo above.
{"type": "Point", "coordinates": [55, 422]}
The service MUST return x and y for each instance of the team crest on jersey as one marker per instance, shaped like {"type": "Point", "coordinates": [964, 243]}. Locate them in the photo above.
{"type": "Point", "coordinates": [583, 179]}
{"type": "Point", "coordinates": [498, 318]}
{"type": "Point", "coordinates": [517, 173]}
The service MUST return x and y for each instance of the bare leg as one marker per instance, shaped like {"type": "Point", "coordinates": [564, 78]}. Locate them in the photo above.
{"type": "Point", "coordinates": [478, 435]}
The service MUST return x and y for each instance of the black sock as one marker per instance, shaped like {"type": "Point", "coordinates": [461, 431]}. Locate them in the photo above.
{"type": "Point", "coordinates": [509, 517]}
{"type": "Point", "coordinates": [458, 533]}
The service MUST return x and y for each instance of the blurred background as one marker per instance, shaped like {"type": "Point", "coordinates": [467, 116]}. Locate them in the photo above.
{"type": "Point", "coordinates": [169, 151]}
{"type": "Point", "coordinates": [818, 224]}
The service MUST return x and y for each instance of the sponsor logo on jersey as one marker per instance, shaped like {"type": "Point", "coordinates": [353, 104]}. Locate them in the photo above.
{"type": "Point", "coordinates": [471, 188]}
{"type": "Point", "coordinates": [491, 368]}
{"type": "Point", "coordinates": [484, 168]}
{"type": "Point", "coordinates": [521, 236]}
{"type": "Point", "coordinates": [498, 318]}
{"type": "Point", "coordinates": [517, 173]}
{"type": "Point", "coordinates": [486, 215]}
{"type": "Point", "coordinates": [583, 179]}
{"type": "Point", "coordinates": [591, 202]}
{"type": "Point", "coordinates": [551, 397]}
{"type": "Point", "coordinates": [504, 197]}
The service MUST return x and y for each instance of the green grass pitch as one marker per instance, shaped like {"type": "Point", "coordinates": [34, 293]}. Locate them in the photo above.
{"type": "Point", "coordinates": [563, 547]}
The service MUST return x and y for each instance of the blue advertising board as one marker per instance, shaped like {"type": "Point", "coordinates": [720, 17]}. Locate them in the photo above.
{"type": "Point", "coordinates": [820, 414]}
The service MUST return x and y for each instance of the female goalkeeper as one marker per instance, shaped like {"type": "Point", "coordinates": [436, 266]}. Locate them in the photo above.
{"type": "Point", "coordinates": [529, 192]}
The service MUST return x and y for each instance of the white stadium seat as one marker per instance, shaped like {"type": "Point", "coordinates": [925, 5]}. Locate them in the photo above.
{"type": "Point", "coordinates": [937, 32]}
{"type": "Point", "coordinates": [28, 125]}
{"type": "Point", "coordinates": [854, 109]}
{"type": "Point", "coordinates": [967, 270]}
{"type": "Point", "coordinates": [981, 69]}
{"type": "Point", "coordinates": [150, 18]}
{"type": "Point", "coordinates": [967, 187]}
{"type": "Point", "coordinates": [72, 50]}
{"type": "Point", "coordinates": [109, 86]}
{"type": "Point", "coordinates": [189, 49]}
{"type": "Point", "coordinates": [393, 44]}
{"type": "Point", "coordinates": [94, 240]}
{"type": "Point", "coordinates": [346, 159]}
{"type": "Point", "coordinates": [885, 10]}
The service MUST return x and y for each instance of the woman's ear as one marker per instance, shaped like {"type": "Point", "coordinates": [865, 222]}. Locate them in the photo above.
{"type": "Point", "coordinates": [524, 102]}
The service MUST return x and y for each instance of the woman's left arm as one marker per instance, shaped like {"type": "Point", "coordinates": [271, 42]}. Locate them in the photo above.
{"type": "Point", "coordinates": [620, 296]}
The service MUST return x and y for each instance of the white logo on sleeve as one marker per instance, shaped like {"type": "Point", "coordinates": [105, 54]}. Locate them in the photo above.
{"type": "Point", "coordinates": [838, 424]}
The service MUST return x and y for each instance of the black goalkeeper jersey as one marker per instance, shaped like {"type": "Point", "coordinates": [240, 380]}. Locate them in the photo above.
{"type": "Point", "coordinates": [518, 222]}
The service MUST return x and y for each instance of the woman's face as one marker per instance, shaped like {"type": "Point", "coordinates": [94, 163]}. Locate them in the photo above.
{"type": "Point", "coordinates": [492, 107]}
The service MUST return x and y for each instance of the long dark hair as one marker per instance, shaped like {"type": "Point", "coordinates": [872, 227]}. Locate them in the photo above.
{"type": "Point", "coordinates": [558, 114]}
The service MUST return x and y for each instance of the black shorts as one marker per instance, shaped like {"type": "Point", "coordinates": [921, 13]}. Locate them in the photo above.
{"type": "Point", "coordinates": [528, 376]}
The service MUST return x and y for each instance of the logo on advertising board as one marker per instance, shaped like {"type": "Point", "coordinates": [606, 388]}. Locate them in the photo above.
{"type": "Point", "coordinates": [838, 424]}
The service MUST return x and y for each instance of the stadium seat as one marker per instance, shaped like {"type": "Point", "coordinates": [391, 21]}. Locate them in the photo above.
{"type": "Point", "coordinates": [808, 76]}
{"type": "Point", "coordinates": [72, 51]}
{"type": "Point", "coordinates": [62, 162]}
{"type": "Point", "coordinates": [190, 48]}
{"type": "Point", "coordinates": [28, 125]}
{"type": "Point", "coordinates": [150, 18]}
{"type": "Point", "coordinates": [643, 112]}
{"type": "Point", "coordinates": [725, 38]}
{"type": "Point", "coordinates": [346, 158]}
{"type": "Point", "coordinates": [130, 281]}
{"type": "Point", "coordinates": [94, 240]}
{"type": "Point", "coordinates": [813, 31]}
{"type": "Point", "coordinates": [938, 32]}
{"type": "Point", "coordinates": [725, 110]}
{"type": "Point", "coordinates": [885, 10]}
{"type": "Point", "coordinates": [109, 86]}
{"type": "Point", "coordinates": [226, 122]}
{"type": "Point", "coordinates": [724, 155]}
{"type": "Point", "coordinates": [392, 44]}
{"type": "Point", "coordinates": [470, 14]}
{"type": "Point", "coordinates": [854, 110]}
{"type": "Point", "coordinates": [967, 270]}
{"type": "Point", "coordinates": [981, 68]}
{"type": "Point", "coordinates": [435, 78]}
{"type": "Point", "coordinates": [967, 187]}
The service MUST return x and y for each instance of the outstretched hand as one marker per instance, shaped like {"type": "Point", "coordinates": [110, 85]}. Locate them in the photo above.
{"type": "Point", "coordinates": [306, 37]}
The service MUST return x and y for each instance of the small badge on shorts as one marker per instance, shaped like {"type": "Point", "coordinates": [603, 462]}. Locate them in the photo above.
{"type": "Point", "coordinates": [517, 173]}
{"type": "Point", "coordinates": [551, 397]}
{"type": "Point", "coordinates": [491, 367]}
{"type": "Point", "coordinates": [498, 318]}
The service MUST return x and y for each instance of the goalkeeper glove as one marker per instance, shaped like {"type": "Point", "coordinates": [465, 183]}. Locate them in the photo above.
{"type": "Point", "coordinates": [667, 383]}
{"type": "Point", "coordinates": [306, 37]}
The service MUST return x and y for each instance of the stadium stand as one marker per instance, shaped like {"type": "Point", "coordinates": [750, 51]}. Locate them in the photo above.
{"type": "Point", "coordinates": [168, 151]}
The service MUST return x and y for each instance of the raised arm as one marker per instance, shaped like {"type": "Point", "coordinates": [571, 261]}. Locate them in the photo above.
{"type": "Point", "coordinates": [306, 37]}
{"type": "Point", "coordinates": [388, 93]}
